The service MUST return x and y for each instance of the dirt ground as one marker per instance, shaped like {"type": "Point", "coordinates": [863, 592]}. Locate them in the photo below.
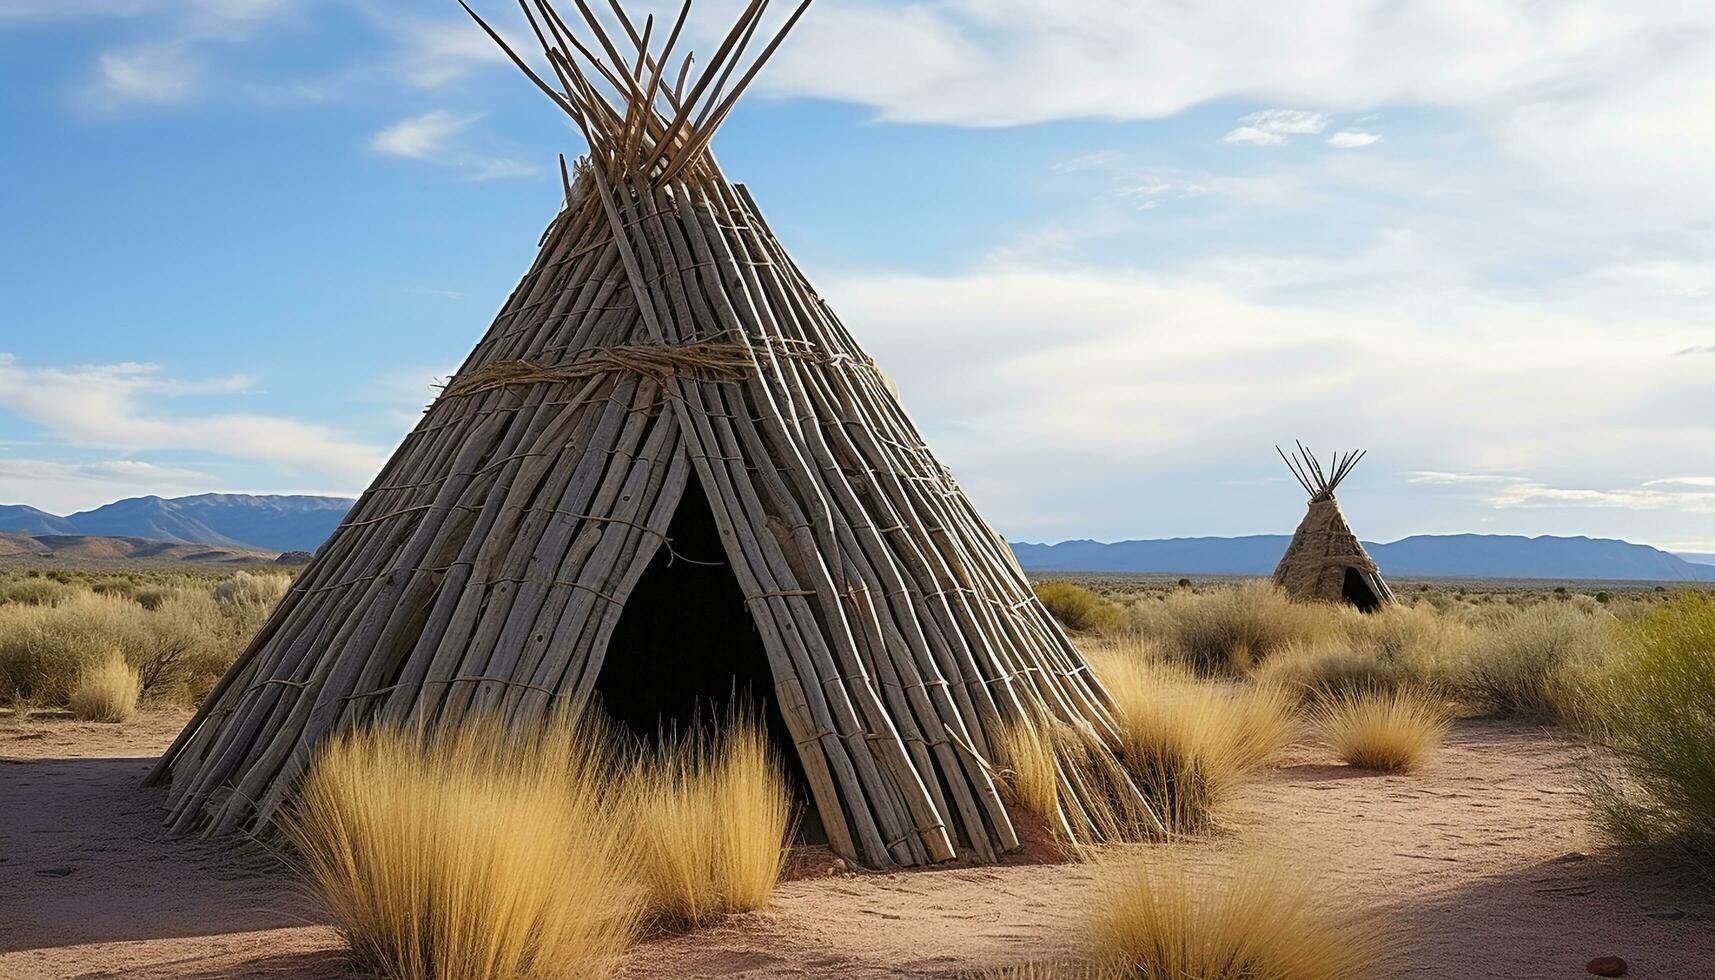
{"type": "Point", "coordinates": [1484, 861]}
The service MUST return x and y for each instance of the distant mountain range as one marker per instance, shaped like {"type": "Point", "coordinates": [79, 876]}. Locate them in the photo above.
{"type": "Point", "coordinates": [224, 520]}
{"type": "Point", "coordinates": [85, 548]}
{"type": "Point", "coordinates": [212, 524]}
{"type": "Point", "coordinates": [1419, 556]}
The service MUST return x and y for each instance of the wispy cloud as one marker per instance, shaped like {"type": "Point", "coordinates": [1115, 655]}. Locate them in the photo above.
{"type": "Point", "coordinates": [1692, 494]}
{"type": "Point", "coordinates": [1347, 139]}
{"type": "Point", "coordinates": [120, 407]}
{"type": "Point", "coordinates": [167, 68]}
{"type": "Point", "coordinates": [433, 137]}
{"type": "Point", "coordinates": [1456, 479]}
{"type": "Point", "coordinates": [153, 74]}
{"type": "Point", "coordinates": [1272, 127]}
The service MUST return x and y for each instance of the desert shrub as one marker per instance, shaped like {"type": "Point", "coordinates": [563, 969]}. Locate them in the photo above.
{"type": "Point", "coordinates": [1659, 710]}
{"type": "Point", "coordinates": [1421, 643]}
{"type": "Point", "coordinates": [151, 597]}
{"type": "Point", "coordinates": [179, 644]}
{"type": "Point", "coordinates": [1390, 731]}
{"type": "Point", "coordinates": [1526, 663]}
{"type": "Point", "coordinates": [1336, 667]}
{"type": "Point", "coordinates": [1229, 630]}
{"type": "Point", "coordinates": [1103, 808]}
{"type": "Point", "coordinates": [35, 592]}
{"type": "Point", "coordinates": [106, 690]}
{"type": "Point", "coordinates": [713, 816]}
{"type": "Point", "coordinates": [1155, 918]}
{"type": "Point", "coordinates": [1079, 608]}
{"type": "Point", "coordinates": [117, 585]}
{"type": "Point", "coordinates": [1188, 742]}
{"type": "Point", "coordinates": [44, 649]}
{"type": "Point", "coordinates": [251, 594]}
{"type": "Point", "coordinates": [472, 854]}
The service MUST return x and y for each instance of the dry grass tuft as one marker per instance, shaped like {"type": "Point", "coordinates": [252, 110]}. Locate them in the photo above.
{"type": "Point", "coordinates": [1159, 920]}
{"type": "Point", "coordinates": [1524, 663]}
{"type": "Point", "coordinates": [179, 631]}
{"type": "Point", "coordinates": [1389, 731]}
{"type": "Point", "coordinates": [712, 820]}
{"type": "Point", "coordinates": [472, 854]}
{"type": "Point", "coordinates": [1329, 669]}
{"type": "Point", "coordinates": [1043, 760]}
{"type": "Point", "coordinates": [1186, 741]}
{"type": "Point", "coordinates": [1079, 608]}
{"type": "Point", "coordinates": [106, 690]}
{"type": "Point", "coordinates": [1226, 631]}
{"type": "Point", "coordinates": [1658, 709]}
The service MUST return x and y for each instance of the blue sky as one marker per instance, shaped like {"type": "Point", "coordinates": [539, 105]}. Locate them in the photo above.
{"type": "Point", "coordinates": [1111, 251]}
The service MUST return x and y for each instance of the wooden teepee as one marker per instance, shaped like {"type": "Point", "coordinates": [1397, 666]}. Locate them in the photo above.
{"type": "Point", "coordinates": [663, 353]}
{"type": "Point", "coordinates": [1325, 559]}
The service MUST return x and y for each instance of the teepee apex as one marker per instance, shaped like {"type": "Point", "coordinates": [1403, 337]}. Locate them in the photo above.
{"type": "Point", "coordinates": [1320, 484]}
{"type": "Point", "coordinates": [636, 112]}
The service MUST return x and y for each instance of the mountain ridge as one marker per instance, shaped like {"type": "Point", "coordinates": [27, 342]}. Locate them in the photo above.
{"type": "Point", "coordinates": [301, 522]}
{"type": "Point", "coordinates": [262, 522]}
{"type": "Point", "coordinates": [1416, 556]}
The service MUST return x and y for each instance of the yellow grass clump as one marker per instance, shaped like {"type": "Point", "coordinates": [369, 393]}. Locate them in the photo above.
{"type": "Point", "coordinates": [1079, 608]}
{"type": "Point", "coordinates": [1042, 759]}
{"type": "Point", "coordinates": [1331, 668]}
{"type": "Point", "coordinates": [179, 631]}
{"type": "Point", "coordinates": [1657, 710]}
{"type": "Point", "coordinates": [1226, 631]}
{"type": "Point", "coordinates": [1157, 919]}
{"type": "Point", "coordinates": [1389, 731]}
{"type": "Point", "coordinates": [106, 690]}
{"type": "Point", "coordinates": [712, 819]}
{"type": "Point", "coordinates": [1187, 741]}
{"type": "Point", "coordinates": [1525, 663]}
{"type": "Point", "coordinates": [477, 853]}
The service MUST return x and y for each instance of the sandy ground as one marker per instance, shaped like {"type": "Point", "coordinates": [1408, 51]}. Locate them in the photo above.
{"type": "Point", "coordinates": [1481, 859]}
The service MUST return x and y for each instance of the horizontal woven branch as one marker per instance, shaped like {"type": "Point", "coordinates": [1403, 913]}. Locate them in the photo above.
{"type": "Point", "coordinates": [705, 360]}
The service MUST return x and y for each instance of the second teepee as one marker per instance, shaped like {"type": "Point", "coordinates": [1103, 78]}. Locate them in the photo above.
{"type": "Point", "coordinates": [1325, 559]}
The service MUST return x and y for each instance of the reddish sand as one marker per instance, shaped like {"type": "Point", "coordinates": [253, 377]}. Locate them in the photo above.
{"type": "Point", "coordinates": [1480, 860]}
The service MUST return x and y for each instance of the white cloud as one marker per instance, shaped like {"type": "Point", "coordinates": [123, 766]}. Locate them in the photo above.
{"type": "Point", "coordinates": [1272, 127]}
{"type": "Point", "coordinates": [421, 137]}
{"type": "Point", "coordinates": [116, 407]}
{"type": "Point", "coordinates": [63, 488]}
{"type": "Point", "coordinates": [1457, 479]}
{"type": "Point", "coordinates": [166, 69]}
{"type": "Point", "coordinates": [1532, 494]}
{"type": "Point", "coordinates": [1347, 139]}
{"type": "Point", "coordinates": [433, 137]}
{"type": "Point", "coordinates": [1590, 93]}
{"type": "Point", "coordinates": [1058, 394]}
{"type": "Point", "coordinates": [437, 53]}
{"type": "Point", "coordinates": [154, 74]}
{"type": "Point", "coordinates": [1251, 134]}
{"type": "Point", "coordinates": [1668, 277]}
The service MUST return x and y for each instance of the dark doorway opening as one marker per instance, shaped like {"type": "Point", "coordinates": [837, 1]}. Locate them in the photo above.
{"type": "Point", "coordinates": [1357, 591]}
{"type": "Point", "coordinates": [685, 652]}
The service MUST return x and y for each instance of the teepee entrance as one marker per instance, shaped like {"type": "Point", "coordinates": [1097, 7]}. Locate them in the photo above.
{"type": "Point", "coordinates": [686, 654]}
